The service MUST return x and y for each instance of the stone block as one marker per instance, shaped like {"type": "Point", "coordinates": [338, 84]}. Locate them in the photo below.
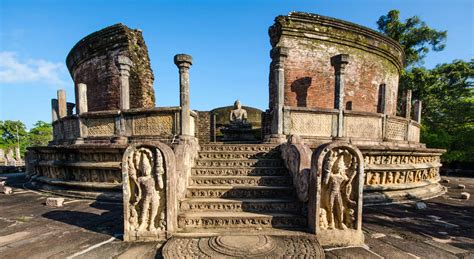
{"type": "Point", "coordinates": [461, 186]}
{"type": "Point", "coordinates": [6, 190]}
{"type": "Point", "coordinates": [465, 195]}
{"type": "Point", "coordinates": [421, 205]}
{"type": "Point", "coordinates": [54, 202]}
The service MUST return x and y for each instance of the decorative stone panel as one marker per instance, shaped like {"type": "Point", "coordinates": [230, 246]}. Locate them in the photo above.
{"type": "Point", "coordinates": [149, 202]}
{"type": "Point", "coordinates": [157, 125]}
{"type": "Point", "coordinates": [98, 127]}
{"type": "Point", "coordinates": [396, 129]}
{"type": "Point", "coordinates": [414, 133]}
{"type": "Point", "coordinates": [335, 198]}
{"type": "Point", "coordinates": [363, 127]}
{"type": "Point", "coordinates": [311, 124]}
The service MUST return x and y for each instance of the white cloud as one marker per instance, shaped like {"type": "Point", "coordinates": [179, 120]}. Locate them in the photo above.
{"type": "Point", "coordinates": [13, 70]}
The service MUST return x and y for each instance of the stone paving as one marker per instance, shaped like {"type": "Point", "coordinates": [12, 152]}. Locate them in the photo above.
{"type": "Point", "coordinates": [89, 229]}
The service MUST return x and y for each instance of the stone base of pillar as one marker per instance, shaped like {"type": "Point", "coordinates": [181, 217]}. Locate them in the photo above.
{"type": "Point", "coordinates": [120, 140]}
{"type": "Point", "coordinates": [275, 139]}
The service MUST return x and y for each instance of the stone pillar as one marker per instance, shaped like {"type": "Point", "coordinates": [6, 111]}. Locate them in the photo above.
{"type": "Point", "coordinates": [54, 110]}
{"type": "Point", "coordinates": [408, 94]}
{"type": "Point", "coordinates": [2, 156]}
{"type": "Point", "coordinates": [184, 62]}
{"type": "Point", "coordinates": [339, 62]}
{"type": "Point", "coordinates": [124, 63]}
{"type": "Point", "coordinates": [62, 107]}
{"type": "Point", "coordinates": [278, 56]}
{"type": "Point", "coordinates": [417, 111]}
{"type": "Point", "coordinates": [82, 98]}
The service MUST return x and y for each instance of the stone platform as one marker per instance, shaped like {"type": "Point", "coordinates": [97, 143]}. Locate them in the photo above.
{"type": "Point", "coordinates": [89, 229]}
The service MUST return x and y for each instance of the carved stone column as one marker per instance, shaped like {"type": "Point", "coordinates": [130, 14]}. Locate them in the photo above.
{"type": "Point", "coordinates": [184, 62]}
{"type": "Point", "coordinates": [408, 95]}
{"type": "Point", "coordinates": [339, 62]}
{"type": "Point", "coordinates": [278, 55]}
{"type": "Point", "coordinates": [54, 110]}
{"type": "Point", "coordinates": [417, 111]}
{"type": "Point", "coordinates": [62, 107]}
{"type": "Point", "coordinates": [124, 63]}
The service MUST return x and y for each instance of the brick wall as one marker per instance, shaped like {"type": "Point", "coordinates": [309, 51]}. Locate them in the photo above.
{"type": "Point", "coordinates": [93, 61]}
{"type": "Point", "coordinates": [309, 75]}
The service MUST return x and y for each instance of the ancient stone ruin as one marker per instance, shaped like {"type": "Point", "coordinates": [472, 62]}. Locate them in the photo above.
{"type": "Point", "coordinates": [329, 142]}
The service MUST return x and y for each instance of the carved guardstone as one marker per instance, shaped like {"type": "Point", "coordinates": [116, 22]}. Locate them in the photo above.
{"type": "Point", "coordinates": [335, 198]}
{"type": "Point", "coordinates": [146, 173]}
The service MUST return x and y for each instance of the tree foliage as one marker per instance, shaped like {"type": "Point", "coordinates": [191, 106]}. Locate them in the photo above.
{"type": "Point", "coordinates": [414, 35]}
{"type": "Point", "coordinates": [13, 133]}
{"type": "Point", "coordinates": [446, 91]}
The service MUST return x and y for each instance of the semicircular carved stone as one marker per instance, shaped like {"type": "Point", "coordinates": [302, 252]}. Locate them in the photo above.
{"type": "Point", "coordinates": [149, 210]}
{"type": "Point", "coordinates": [297, 158]}
{"type": "Point", "coordinates": [335, 199]}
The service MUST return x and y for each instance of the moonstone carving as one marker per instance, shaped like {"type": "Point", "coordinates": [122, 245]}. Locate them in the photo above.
{"type": "Point", "coordinates": [145, 174]}
{"type": "Point", "coordinates": [335, 199]}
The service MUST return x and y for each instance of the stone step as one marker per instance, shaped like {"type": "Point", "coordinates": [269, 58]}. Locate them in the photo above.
{"type": "Point", "coordinates": [220, 147]}
{"type": "Point", "coordinates": [241, 205]}
{"type": "Point", "coordinates": [239, 192]}
{"type": "Point", "coordinates": [239, 163]}
{"type": "Point", "coordinates": [241, 180]}
{"type": "Point", "coordinates": [211, 220]}
{"type": "Point", "coordinates": [239, 171]}
{"type": "Point", "coordinates": [238, 155]}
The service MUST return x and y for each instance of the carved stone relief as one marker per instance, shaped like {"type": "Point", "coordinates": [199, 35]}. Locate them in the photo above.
{"type": "Point", "coordinates": [297, 157]}
{"type": "Point", "coordinates": [161, 125]}
{"type": "Point", "coordinates": [335, 200]}
{"type": "Point", "coordinates": [144, 176]}
{"type": "Point", "coordinates": [100, 127]}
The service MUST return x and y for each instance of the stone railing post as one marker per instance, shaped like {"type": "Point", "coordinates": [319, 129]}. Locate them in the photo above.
{"type": "Point", "coordinates": [62, 106]}
{"type": "Point", "coordinates": [278, 55]}
{"type": "Point", "coordinates": [124, 63]}
{"type": "Point", "coordinates": [54, 110]}
{"type": "Point", "coordinates": [417, 111]}
{"type": "Point", "coordinates": [339, 62]}
{"type": "Point", "coordinates": [408, 95]}
{"type": "Point", "coordinates": [82, 98]}
{"type": "Point", "coordinates": [80, 109]}
{"type": "Point", "coordinates": [184, 62]}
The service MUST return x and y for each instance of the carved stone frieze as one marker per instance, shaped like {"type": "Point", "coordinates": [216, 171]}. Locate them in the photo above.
{"type": "Point", "coordinates": [237, 148]}
{"type": "Point", "coordinates": [335, 201]}
{"type": "Point", "coordinates": [238, 171]}
{"type": "Point", "coordinates": [235, 155]}
{"type": "Point", "coordinates": [399, 159]}
{"type": "Point", "coordinates": [146, 174]}
{"type": "Point", "coordinates": [239, 193]}
{"type": "Point", "coordinates": [239, 163]}
{"type": "Point", "coordinates": [264, 221]}
{"type": "Point", "coordinates": [396, 129]}
{"type": "Point", "coordinates": [252, 181]}
{"type": "Point", "coordinates": [401, 177]}
{"type": "Point", "coordinates": [242, 206]}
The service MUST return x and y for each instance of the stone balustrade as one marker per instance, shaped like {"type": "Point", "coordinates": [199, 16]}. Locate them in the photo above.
{"type": "Point", "coordinates": [160, 123]}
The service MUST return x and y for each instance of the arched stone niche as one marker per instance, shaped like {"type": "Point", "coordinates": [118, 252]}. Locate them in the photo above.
{"type": "Point", "coordinates": [335, 194]}
{"type": "Point", "coordinates": [149, 199]}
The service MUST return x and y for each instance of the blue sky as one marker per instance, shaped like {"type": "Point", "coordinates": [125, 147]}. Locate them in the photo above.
{"type": "Point", "coordinates": [227, 39]}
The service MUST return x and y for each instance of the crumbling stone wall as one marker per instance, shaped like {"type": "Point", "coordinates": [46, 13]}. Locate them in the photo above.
{"type": "Point", "coordinates": [309, 75]}
{"type": "Point", "coordinates": [94, 62]}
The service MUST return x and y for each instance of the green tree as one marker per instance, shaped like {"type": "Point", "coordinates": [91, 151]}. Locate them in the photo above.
{"type": "Point", "coordinates": [41, 134]}
{"type": "Point", "coordinates": [414, 35]}
{"type": "Point", "coordinates": [8, 135]}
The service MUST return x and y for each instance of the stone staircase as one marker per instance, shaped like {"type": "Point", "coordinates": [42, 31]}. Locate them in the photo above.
{"type": "Point", "coordinates": [239, 186]}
